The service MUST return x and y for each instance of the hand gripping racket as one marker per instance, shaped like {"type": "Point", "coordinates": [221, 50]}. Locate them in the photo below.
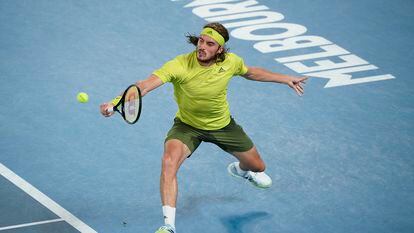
{"type": "Point", "coordinates": [130, 104]}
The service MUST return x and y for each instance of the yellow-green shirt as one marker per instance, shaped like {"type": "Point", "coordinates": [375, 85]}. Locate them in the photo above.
{"type": "Point", "coordinates": [201, 92]}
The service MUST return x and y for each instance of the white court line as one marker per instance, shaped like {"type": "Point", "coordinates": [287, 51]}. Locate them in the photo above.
{"type": "Point", "coordinates": [31, 224]}
{"type": "Point", "coordinates": [44, 200]}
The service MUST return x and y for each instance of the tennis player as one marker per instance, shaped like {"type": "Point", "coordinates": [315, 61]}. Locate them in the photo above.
{"type": "Point", "coordinates": [200, 80]}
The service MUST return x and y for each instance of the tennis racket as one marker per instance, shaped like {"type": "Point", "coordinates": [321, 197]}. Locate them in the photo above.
{"type": "Point", "coordinates": [130, 104]}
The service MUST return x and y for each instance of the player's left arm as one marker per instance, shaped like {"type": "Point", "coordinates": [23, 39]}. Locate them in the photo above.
{"type": "Point", "coordinates": [263, 75]}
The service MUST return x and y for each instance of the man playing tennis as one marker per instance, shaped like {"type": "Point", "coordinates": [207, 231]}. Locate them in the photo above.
{"type": "Point", "coordinates": [200, 80]}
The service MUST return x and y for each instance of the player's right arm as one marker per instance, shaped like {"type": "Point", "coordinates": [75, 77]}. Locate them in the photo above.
{"type": "Point", "coordinates": [147, 85]}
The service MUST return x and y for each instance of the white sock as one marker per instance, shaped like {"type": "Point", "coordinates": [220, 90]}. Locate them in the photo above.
{"type": "Point", "coordinates": [239, 170]}
{"type": "Point", "coordinates": [169, 215]}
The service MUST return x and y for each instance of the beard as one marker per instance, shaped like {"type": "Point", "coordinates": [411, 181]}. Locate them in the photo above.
{"type": "Point", "coordinates": [203, 57]}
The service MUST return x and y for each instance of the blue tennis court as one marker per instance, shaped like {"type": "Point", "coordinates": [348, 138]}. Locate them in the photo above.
{"type": "Point", "coordinates": [341, 156]}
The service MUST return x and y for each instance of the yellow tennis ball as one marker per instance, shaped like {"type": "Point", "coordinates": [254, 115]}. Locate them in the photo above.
{"type": "Point", "coordinates": [82, 97]}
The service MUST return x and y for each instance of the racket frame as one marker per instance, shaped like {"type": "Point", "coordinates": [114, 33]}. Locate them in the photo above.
{"type": "Point", "coordinates": [120, 106]}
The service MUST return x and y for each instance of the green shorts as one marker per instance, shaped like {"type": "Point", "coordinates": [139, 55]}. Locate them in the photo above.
{"type": "Point", "coordinates": [231, 138]}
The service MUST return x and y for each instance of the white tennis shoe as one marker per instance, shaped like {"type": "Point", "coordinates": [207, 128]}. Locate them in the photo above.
{"type": "Point", "coordinates": [258, 179]}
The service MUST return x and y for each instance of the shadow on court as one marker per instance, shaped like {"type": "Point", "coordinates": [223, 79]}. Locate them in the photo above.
{"type": "Point", "coordinates": [244, 223]}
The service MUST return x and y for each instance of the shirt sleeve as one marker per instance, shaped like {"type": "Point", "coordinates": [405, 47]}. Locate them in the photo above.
{"type": "Point", "coordinates": [169, 72]}
{"type": "Point", "coordinates": [240, 67]}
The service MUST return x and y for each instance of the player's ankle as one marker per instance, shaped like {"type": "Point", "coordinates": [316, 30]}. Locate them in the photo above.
{"type": "Point", "coordinates": [239, 170]}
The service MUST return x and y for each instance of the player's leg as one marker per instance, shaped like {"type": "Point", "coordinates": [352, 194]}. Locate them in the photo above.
{"type": "Point", "coordinates": [175, 152]}
{"type": "Point", "coordinates": [181, 141]}
{"type": "Point", "coordinates": [250, 160]}
{"type": "Point", "coordinates": [235, 141]}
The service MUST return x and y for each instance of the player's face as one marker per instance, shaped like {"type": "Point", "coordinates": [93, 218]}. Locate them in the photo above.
{"type": "Point", "coordinates": [207, 49]}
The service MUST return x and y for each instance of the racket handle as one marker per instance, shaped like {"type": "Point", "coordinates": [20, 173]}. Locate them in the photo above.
{"type": "Point", "coordinates": [110, 110]}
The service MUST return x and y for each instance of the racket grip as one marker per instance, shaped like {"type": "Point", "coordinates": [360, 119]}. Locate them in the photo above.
{"type": "Point", "coordinates": [110, 110]}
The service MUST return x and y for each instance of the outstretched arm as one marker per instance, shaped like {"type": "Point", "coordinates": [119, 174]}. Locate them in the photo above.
{"type": "Point", "coordinates": [149, 84]}
{"type": "Point", "coordinates": [263, 75]}
{"type": "Point", "coordinates": [145, 86]}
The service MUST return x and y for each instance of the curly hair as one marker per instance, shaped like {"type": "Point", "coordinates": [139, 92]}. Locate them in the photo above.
{"type": "Point", "coordinates": [193, 39]}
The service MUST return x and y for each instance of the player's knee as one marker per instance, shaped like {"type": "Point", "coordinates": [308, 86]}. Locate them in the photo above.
{"type": "Point", "coordinates": [169, 163]}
